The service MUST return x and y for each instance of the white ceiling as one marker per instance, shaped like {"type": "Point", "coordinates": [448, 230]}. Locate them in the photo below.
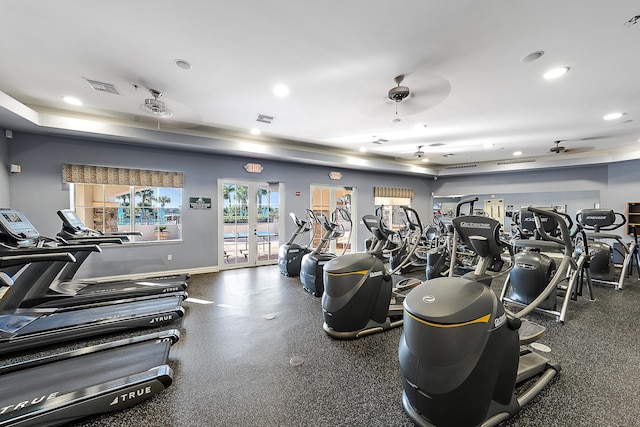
{"type": "Point", "coordinates": [462, 62]}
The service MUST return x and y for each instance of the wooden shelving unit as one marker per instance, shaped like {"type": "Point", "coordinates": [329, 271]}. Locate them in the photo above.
{"type": "Point", "coordinates": [633, 216]}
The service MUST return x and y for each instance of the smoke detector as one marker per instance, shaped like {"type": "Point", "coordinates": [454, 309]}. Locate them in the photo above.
{"type": "Point", "coordinates": [155, 106]}
{"type": "Point", "coordinates": [398, 93]}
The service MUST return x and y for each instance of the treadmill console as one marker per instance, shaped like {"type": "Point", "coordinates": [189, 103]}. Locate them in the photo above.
{"type": "Point", "coordinates": [16, 228]}
{"type": "Point", "coordinates": [71, 220]}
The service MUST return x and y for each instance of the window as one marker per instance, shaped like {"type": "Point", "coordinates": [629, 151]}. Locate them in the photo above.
{"type": "Point", "coordinates": [155, 211]}
{"type": "Point", "coordinates": [112, 199]}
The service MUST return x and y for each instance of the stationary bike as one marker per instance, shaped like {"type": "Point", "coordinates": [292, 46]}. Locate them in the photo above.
{"type": "Point", "coordinates": [460, 352]}
{"type": "Point", "coordinates": [360, 297]}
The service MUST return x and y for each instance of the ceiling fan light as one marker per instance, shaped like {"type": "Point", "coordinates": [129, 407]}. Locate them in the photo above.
{"type": "Point", "coordinates": [398, 93]}
{"type": "Point", "coordinates": [155, 106]}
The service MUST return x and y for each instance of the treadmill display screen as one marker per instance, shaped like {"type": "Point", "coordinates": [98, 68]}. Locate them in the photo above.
{"type": "Point", "coordinates": [12, 217]}
{"type": "Point", "coordinates": [15, 225]}
{"type": "Point", "coordinates": [73, 219]}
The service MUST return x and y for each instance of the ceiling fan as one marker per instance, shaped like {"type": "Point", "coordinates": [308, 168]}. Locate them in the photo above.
{"type": "Point", "coordinates": [418, 154]}
{"type": "Point", "coordinates": [155, 106]}
{"type": "Point", "coordinates": [560, 149]}
{"type": "Point", "coordinates": [413, 93]}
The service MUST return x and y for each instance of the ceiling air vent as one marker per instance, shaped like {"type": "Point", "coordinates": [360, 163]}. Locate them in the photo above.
{"type": "Point", "coordinates": [103, 87]}
{"type": "Point", "coordinates": [263, 118]}
{"type": "Point", "coordinates": [513, 162]}
{"type": "Point", "coordinates": [380, 141]}
{"type": "Point", "coordinates": [462, 166]}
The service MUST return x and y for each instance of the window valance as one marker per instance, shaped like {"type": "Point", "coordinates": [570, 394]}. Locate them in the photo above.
{"type": "Point", "coordinates": [87, 174]}
{"type": "Point", "coordinates": [406, 193]}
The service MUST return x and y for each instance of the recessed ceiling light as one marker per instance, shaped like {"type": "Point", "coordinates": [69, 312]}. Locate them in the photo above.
{"type": "Point", "coordinates": [71, 100]}
{"type": "Point", "coordinates": [281, 90]}
{"type": "Point", "coordinates": [363, 149]}
{"type": "Point", "coordinates": [517, 153]}
{"type": "Point", "coordinates": [532, 56]}
{"type": "Point", "coordinates": [255, 131]}
{"type": "Point", "coordinates": [613, 116]}
{"type": "Point", "coordinates": [181, 63]}
{"type": "Point", "coordinates": [425, 160]}
{"type": "Point", "coordinates": [555, 73]}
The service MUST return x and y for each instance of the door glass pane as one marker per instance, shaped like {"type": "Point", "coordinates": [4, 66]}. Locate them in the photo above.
{"type": "Point", "coordinates": [344, 220]}
{"type": "Point", "coordinates": [268, 221]}
{"type": "Point", "coordinates": [321, 206]}
{"type": "Point", "coordinates": [235, 211]}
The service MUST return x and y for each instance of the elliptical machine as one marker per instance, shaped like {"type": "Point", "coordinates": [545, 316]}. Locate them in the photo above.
{"type": "Point", "coordinates": [359, 296]}
{"type": "Point", "coordinates": [440, 261]}
{"type": "Point", "coordinates": [535, 269]}
{"type": "Point", "coordinates": [598, 222]}
{"type": "Point", "coordinates": [290, 254]}
{"type": "Point", "coordinates": [460, 352]}
{"type": "Point", "coordinates": [313, 262]}
{"type": "Point", "coordinates": [399, 255]}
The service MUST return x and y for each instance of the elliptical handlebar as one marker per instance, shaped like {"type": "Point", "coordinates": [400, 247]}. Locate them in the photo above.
{"type": "Point", "coordinates": [565, 239]}
{"type": "Point", "coordinates": [299, 223]}
{"type": "Point", "coordinates": [413, 225]}
{"type": "Point", "coordinates": [468, 201]}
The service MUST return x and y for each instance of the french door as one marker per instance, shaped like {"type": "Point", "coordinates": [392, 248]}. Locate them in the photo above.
{"type": "Point", "coordinates": [494, 208]}
{"type": "Point", "coordinates": [249, 223]}
{"type": "Point", "coordinates": [325, 200]}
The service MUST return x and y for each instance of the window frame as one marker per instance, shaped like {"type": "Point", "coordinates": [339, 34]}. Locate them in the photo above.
{"type": "Point", "coordinates": [162, 228]}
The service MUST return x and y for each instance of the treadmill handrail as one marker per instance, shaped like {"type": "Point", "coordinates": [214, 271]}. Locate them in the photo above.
{"type": "Point", "coordinates": [6, 250]}
{"type": "Point", "coordinates": [12, 260]}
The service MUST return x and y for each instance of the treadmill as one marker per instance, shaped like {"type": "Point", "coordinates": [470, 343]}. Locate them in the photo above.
{"type": "Point", "coordinates": [57, 389]}
{"type": "Point", "coordinates": [22, 328]}
{"type": "Point", "coordinates": [52, 287]}
{"type": "Point", "coordinates": [74, 230]}
{"type": "Point", "coordinates": [60, 388]}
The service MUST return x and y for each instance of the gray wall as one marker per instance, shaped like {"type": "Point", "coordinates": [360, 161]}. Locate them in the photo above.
{"type": "Point", "coordinates": [540, 181]}
{"type": "Point", "coordinates": [616, 184]}
{"type": "Point", "coordinates": [4, 170]}
{"type": "Point", "coordinates": [39, 192]}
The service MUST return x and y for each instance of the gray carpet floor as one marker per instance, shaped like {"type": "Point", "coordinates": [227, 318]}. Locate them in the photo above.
{"type": "Point", "coordinates": [258, 356]}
